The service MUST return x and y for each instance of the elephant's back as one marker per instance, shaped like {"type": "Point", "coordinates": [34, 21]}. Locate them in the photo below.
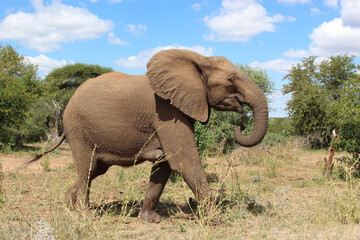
{"type": "Point", "coordinates": [110, 92]}
{"type": "Point", "coordinates": [114, 84]}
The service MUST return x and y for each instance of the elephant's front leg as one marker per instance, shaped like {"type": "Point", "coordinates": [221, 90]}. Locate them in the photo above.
{"type": "Point", "coordinates": [160, 173]}
{"type": "Point", "coordinates": [178, 143]}
{"type": "Point", "coordinates": [192, 172]}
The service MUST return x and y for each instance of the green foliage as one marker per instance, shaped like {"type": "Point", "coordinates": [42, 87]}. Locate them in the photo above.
{"type": "Point", "coordinates": [279, 130]}
{"type": "Point", "coordinates": [39, 121]}
{"type": "Point", "coordinates": [325, 96]}
{"type": "Point", "coordinates": [218, 133]}
{"type": "Point", "coordinates": [349, 115]}
{"type": "Point", "coordinates": [45, 164]}
{"type": "Point", "coordinates": [281, 126]}
{"type": "Point", "coordinates": [19, 89]}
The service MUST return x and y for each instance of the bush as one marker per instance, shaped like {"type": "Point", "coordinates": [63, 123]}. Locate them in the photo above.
{"type": "Point", "coordinates": [218, 133]}
{"type": "Point", "coordinates": [19, 89]}
{"type": "Point", "coordinates": [349, 115]}
{"type": "Point", "coordinates": [279, 130]}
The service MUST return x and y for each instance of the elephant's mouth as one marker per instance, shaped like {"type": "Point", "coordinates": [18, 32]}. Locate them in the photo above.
{"type": "Point", "coordinates": [232, 103]}
{"type": "Point", "coordinates": [239, 107]}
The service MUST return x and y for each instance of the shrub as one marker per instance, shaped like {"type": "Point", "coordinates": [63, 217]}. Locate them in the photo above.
{"type": "Point", "coordinates": [279, 130]}
{"type": "Point", "coordinates": [19, 89]}
{"type": "Point", "coordinates": [217, 133]}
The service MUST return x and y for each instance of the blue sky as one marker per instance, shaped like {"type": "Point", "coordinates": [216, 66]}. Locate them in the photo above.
{"type": "Point", "coordinates": [124, 34]}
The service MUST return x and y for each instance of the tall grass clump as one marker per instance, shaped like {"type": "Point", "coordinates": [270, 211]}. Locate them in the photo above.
{"type": "Point", "coordinates": [341, 204]}
{"type": "Point", "coordinates": [45, 164]}
{"type": "Point", "coordinates": [271, 158]}
{"type": "Point", "coordinates": [349, 201]}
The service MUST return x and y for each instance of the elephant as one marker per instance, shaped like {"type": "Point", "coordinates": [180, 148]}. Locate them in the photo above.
{"type": "Point", "coordinates": [120, 119]}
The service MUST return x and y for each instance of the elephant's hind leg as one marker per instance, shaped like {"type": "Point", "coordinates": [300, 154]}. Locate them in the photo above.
{"type": "Point", "coordinates": [160, 173]}
{"type": "Point", "coordinates": [77, 197]}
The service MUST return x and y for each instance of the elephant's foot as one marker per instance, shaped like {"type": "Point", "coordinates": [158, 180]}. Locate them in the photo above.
{"type": "Point", "coordinates": [74, 200]}
{"type": "Point", "coordinates": [70, 198]}
{"type": "Point", "coordinates": [149, 216]}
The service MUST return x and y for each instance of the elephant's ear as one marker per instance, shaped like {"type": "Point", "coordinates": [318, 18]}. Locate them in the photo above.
{"type": "Point", "coordinates": [178, 75]}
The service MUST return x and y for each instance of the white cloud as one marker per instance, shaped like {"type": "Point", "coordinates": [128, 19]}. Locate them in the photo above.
{"type": "Point", "coordinates": [331, 3]}
{"type": "Point", "coordinates": [350, 13]}
{"type": "Point", "coordinates": [137, 30]}
{"type": "Point", "coordinates": [279, 65]}
{"type": "Point", "coordinates": [296, 53]}
{"type": "Point", "coordinates": [315, 11]}
{"type": "Point", "coordinates": [115, 40]}
{"type": "Point", "coordinates": [140, 60]}
{"type": "Point", "coordinates": [45, 63]}
{"type": "Point", "coordinates": [294, 1]}
{"type": "Point", "coordinates": [51, 25]}
{"type": "Point", "coordinates": [332, 38]}
{"type": "Point", "coordinates": [239, 20]}
{"type": "Point", "coordinates": [196, 6]}
{"type": "Point", "coordinates": [339, 36]}
{"type": "Point", "coordinates": [290, 19]}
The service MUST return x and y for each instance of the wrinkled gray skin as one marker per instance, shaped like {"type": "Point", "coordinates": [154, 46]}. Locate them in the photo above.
{"type": "Point", "coordinates": [125, 120]}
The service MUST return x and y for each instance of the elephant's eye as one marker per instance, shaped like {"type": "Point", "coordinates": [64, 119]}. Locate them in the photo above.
{"type": "Point", "coordinates": [232, 78]}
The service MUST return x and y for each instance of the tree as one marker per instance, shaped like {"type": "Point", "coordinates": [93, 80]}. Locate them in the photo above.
{"type": "Point", "coordinates": [349, 116]}
{"type": "Point", "coordinates": [19, 88]}
{"type": "Point", "coordinates": [322, 96]}
{"type": "Point", "coordinates": [336, 72]}
{"type": "Point", "coordinates": [221, 125]}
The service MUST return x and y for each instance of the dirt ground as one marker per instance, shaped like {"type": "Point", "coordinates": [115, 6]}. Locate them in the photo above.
{"type": "Point", "coordinates": [12, 162]}
{"type": "Point", "coordinates": [299, 202]}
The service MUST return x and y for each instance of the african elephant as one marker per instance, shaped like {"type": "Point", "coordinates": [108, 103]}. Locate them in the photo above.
{"type": "Point", "coordinates": [120, 119]}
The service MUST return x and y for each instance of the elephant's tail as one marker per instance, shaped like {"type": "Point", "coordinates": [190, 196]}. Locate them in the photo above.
{"type": "Point", "coordinates": [39, 155]}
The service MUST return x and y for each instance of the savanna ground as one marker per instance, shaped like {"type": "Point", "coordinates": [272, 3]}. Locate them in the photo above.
{"type": "Point", "coordinates": [277, 192]}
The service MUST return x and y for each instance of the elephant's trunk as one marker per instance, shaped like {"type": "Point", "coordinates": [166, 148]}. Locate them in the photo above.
{"type": "Point", "coordinates": [259, 106]}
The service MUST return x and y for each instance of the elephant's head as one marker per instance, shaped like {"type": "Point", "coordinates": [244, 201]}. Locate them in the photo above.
{"type": "Point", "coordinates": [193, 83]}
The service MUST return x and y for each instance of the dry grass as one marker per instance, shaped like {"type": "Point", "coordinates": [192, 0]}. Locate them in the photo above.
{"type": "Point", "coordinates": [264, 193]}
